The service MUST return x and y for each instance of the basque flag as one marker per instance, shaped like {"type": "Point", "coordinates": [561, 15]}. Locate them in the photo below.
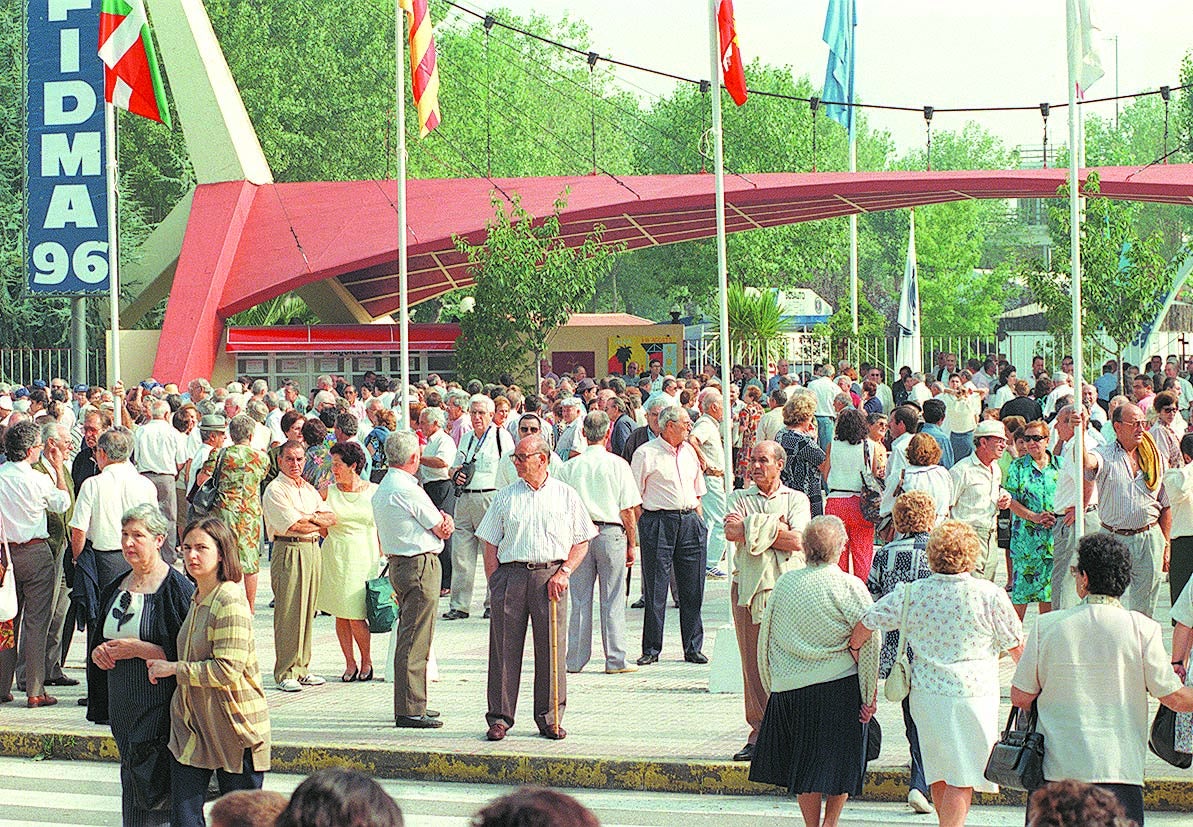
{"type": "Point", "coordinates": [131, 78]}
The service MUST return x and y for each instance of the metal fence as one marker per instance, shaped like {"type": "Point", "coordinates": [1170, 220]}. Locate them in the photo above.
{"type": "Point", "coordinates": [21, 366]}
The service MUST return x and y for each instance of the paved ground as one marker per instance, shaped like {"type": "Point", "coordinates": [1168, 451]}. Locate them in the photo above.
{"type": "Point", "coordinates": [659, 728]}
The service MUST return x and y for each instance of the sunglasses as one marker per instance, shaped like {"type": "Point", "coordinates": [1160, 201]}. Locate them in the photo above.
{"type": "Point", "coordinates": [1034, 437]}
{"type": "Point", "coordinates": [522, 429]}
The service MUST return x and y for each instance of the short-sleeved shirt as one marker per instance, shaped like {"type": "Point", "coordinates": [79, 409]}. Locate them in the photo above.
{"type": "Point", "coordinates": [159, 448]}
{"type": "Point", "coordinates": [441, 446]}
{"type": "Point", "coordinates": [405, 515]}
{"type": "Point", "coordinates": [604, 483]}
{"type": "Point", "coordinates": [976, 490]}
{"type": "Point", "coordinates": [668, 476]}
{"type": "Point", "coordinates": [792, 505]}
{"type": "Point", "coordinates": [485, 452]}
{"type": "Point", "coordinates": [285, 502]}
{"type": "Point", "coordinates": [104, 498]}
{"type": "Point", "coordinates": [707, 432]}
{"type": "Point", "coordinates": [25, 498]}
{"type": "Point", "coordinates": [1125, 501]}
{"type": "Point", "coordinates": [536, 526]}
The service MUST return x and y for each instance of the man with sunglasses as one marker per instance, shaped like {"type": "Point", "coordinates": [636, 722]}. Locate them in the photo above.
{"type": "Point", "coordinates": [528, 425]}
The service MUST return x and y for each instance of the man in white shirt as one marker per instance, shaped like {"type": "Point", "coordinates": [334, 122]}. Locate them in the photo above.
{"type": "Point", "coordinates": [1062, 387]}
{"type": "Point", "coordinates": [917, 391]}
{"type": "Point", "coordinates": [978, 494]}
{"type": "Point", "coordinates": [26, 497]}
{"type": "Point", "coordinates": [771, 422]}
{"type": "Point", "coordinates": [826, 391]}
{"type": "Point", "coordinates": [706, 439]}
{"type": "Point", "coordinates": [1064, 502]}
{"type": "Point", "coordinates": [571, 442]}
{"type": "Point", "coordinates": [412, 531]}
{"type": "Point", "coordinates": [904, 422]}
{"type": "Point", "coordinates": [607, 489]}
{"type": "Point", "coordinates": [159, 451]}
{"type": "Point", "coordinates": [436, 459]}
{"type": "Point", "coordinates": [962, 406]}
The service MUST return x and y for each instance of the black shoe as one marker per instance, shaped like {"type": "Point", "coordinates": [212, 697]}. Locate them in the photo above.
{"type": "Point", "coordinates": [486, 615]}
{"type": "Point", "coordinates": [640, 603]}
{"type": "Point", "coordinates": [82, 701]}
{"type": "Point", "coordinates": [648, 659]}
{"type": "Point", "coordinates": [746, 753]}
{"type": "Point", "coordinates": [454, 614]}
{"type": "Point", "coordinates": [417, 722]}
{"type": "Point", "coordinates": [695, 657]}
{"type": "Point", "coordinates": [62, 681]}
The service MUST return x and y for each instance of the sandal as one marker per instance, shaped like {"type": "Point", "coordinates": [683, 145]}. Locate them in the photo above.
{"type": "Point", "coordinates": [350, 677]}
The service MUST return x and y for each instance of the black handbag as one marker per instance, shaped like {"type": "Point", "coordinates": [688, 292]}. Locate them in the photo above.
{"type": "Point", "coordinates": [1017, 760]}
{"type": "Point", "coordinates": [148, 763]}
{"type": "Point", "coordinates": [380, 609]}
{"type": "Point", "coordinates": [873, 740]}
{"type": "Point", "coordinates": [203, 497]}
{"type": "Point", "coordinates": [1162, 740]}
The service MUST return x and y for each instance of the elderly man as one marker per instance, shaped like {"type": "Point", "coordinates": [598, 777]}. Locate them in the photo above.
{"type": "Point", "coordinates": [294, 515]}
{"type": "Point", "coordinates": [672, 532]}
{"type": "Point", "coordinates": [1132, 502]}
{"type": "Point", "coordinates": [826, 415]}
{"type": "Point", "coordinates": [436, 459]}
{"type": "Point", "coordinates": [93, 422]}
{"type": "Point", "coordinates": [607, 488]}
{"type": "Point", "coordinates": [159, 452]}
{"type": "Point", "coordinates": [765, 522]}
{"type": "Point", "coordinates": [456, 404]}
{"type": "Point", "coordinates": [978, 494]}
{"type": "Point", "coordinates": [474, 472]}
{"type": "Point", "coordinates": [571, 442]}
{"type": "Point", "coordinates": [621, 424]}
{"type": "Point", "coordinates": [706, 439]}
{"type": "Point", "coordinates": [535, 535]}
{"type": "Point", "coordinates": [650, 430]}
{"type": "Point", "coordinates": [771, 423]}
{"type": "Point", "coordinates": [412, 531]}
{"type": "Point", "coordinates": [1064, 534]}
{"type": "Point", "coordinates": [26, 498]}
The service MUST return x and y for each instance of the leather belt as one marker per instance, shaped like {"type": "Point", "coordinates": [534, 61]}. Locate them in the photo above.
{"type": "Point", "coordinates": [680, 511]}
{"type": "Point", "coordinates": [479, 490]}
{"type": "Point", "coordinates": [290, 539]}
{"type": "Point", "coordinates": [32, 542]}
{"type": "Point", "coordinates": [611, 525]}
{"type": "Point", "coordinates": [534, 566]}
{"type": "Point", "coordinates": [1127, 532]}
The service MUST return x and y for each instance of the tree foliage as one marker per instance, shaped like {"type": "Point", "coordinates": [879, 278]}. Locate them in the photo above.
{"type": "Point", "coordinates": [528, 281]}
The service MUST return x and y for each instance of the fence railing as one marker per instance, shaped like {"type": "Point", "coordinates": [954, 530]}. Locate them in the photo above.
{"type": "Point", "coordinates": [21, 366]}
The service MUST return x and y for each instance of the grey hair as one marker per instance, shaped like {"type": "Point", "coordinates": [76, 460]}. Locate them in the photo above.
{"type": "Point", "coordinates": [271, 399]}
{"type": "Point", "coordinates": [257, 410]}
{"type": "Point", "coordinates": [159, 409]}
{"type": "Point", "coordinates": [117, 443]}
{"type": "Point", "coordinates": [400, 447]}
{"type": "Point", "coordinates": [241, 427]}
{"type": "Point", "coordinates": [201, 384]}
{"type": "Point", "coordinates": [436, 415]}
{"type": "Point", "coordinates": [843, 398]}
{"type": "Point", "coordinates": [824, 539]}
{"type": "Point", "coordinates": [670, 414]}
{"type": "Point", "coordinates": [485, 402]}
{"type": "Point", "coordinates": [595, 426]}
{"type": "Point", "coordinates": [659, 401]}
{"type": "Point", "coordinates": [235, 387]}
{"type": "Point", "coordinates": [707, 398]}
{"type": "Point", "coordinates": [572, 402]}
{"type": "Point", "coordinates": [259, 386]}
{"type": "Point", "coordinates": [456, 397]}
{"type": "Point", "coordinates": [54, 430]}
{"type": "Point", "coordinates": [148, 515]}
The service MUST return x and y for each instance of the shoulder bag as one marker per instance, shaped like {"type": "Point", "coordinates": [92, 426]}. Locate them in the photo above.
{"type": "Point", "coordinates": [871, 486]}
{"type": "Point", "coordinates": [203, 497]}
{"type": "Point", "coordinates": [380, 609]}
{"type": "Point", "coordinates": [1017, 760]}
{"type": "Point", "coordinates": [898, 683]}
{"type": "Point", "coordinates": [8, 580]}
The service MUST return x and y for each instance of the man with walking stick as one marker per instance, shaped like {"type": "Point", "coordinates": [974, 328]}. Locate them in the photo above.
{"type": "Point", "coordinates": [535, 533]}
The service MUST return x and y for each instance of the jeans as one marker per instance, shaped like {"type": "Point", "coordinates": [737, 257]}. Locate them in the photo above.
{"type": "Point", "coordinates": [913, 740]}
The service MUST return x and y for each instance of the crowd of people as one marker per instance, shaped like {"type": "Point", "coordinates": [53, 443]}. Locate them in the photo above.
{"type": "Point", "coordinates": [143, 516]}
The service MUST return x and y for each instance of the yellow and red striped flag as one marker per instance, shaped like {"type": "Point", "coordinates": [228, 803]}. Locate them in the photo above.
{"type": "Point", "coordinates": [424, 69]}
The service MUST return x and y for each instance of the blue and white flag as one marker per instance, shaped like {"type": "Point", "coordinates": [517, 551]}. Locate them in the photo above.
{"type": "Point", "coordinates": [840, 26]}
{"type": "Point", "coordinates": [909, 348]}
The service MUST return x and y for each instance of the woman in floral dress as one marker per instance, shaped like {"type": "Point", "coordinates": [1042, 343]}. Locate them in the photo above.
{"type": "Point", "coordinates": [238, 505]}
{"type": "Point", "coordinates": [1031, 482]}
{"type": "Point", "coordinates": [747, 423]}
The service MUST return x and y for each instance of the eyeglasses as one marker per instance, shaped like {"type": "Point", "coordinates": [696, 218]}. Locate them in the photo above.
{"type": "Point", "coordinates": [524, 457]}
{"type": "Point", "coordinates": [522, 429]}
{"type": "Point", "coordinates": [1166, 409]}
{"type": "Point", "coordinates": [1034, 437]}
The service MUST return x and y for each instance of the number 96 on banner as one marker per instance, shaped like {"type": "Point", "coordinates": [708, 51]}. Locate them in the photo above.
{"type": "Point", "coordinates": [53, 263]}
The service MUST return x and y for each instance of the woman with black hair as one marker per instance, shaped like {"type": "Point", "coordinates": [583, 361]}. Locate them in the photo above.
{"type": "Point", "coordinates": [1089, 671]}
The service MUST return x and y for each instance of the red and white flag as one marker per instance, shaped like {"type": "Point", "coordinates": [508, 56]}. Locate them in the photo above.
{"type": "Point", "coordinates": [131, 77]}
{"type": "Point", "coordinates": [732, 66]}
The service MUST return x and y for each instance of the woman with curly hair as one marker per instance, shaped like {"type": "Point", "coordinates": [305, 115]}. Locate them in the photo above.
{"type": "Point", "coordinates": [801, 472]}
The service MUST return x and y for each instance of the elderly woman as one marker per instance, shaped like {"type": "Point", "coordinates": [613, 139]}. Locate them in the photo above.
{"type": "Point", "coordinates": [385, 423]}
{"type": "Point", "coordinates": [140, 616]}
{"type": "Point", "coordinates": [1090, 669]}
{"type": "Point", "coordinates": [1168, 430]}
{"type": "Point", "coordinates": [349, 557]}
{"type": "Point", "coordinates": [904, 561]}
{"type": "Point", "coordinates": [242, 470]}
{"type": "Point", "coordinates": [849, 455]}
{"type": "Point", "coordinates": [813, 735]}
{"type": "Point", "coordinates": [747, 427]}
{"type": "Point", "coordinates": [923, 472]}
{"type": "Point", "coordinates": [317, 470]}
{"type": "Point", "coordinates": [801, 472]}
{"type": "Point", "coordinates": [958, 626]}
{"type": "Point", "coordinates": [219, 721]}
{"type": "Point", "coordinates": [1031, 481]}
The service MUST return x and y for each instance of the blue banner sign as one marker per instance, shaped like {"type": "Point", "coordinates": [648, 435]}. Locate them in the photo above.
{"type": "Point", "coordinates": [66, 206]}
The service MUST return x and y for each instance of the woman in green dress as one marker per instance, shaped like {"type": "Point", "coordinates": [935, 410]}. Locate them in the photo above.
{"type": "Point", "coordinates": [349, 558]}
{"type": "Point", "coordinates": [238, 505]}
{"type": "Point", "coordinates": [1031, 482]}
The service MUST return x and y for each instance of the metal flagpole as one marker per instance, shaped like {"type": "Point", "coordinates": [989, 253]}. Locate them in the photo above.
{"type": "Point", "coordinates": [403, 265]}
{"type": "Point", "coordinates": [1076, 161]}
{"type": "Point", "coordinates": [113, 245]}
{"type": "Point", "coordinates": [853, 233]}
{"type": "Point", "coordinates": [722, 263]}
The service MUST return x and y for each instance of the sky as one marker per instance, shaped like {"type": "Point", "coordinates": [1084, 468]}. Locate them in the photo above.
{"type": "Point", "coordinates": [943, 53]}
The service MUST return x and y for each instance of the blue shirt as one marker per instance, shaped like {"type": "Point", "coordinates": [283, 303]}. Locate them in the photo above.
{"type": "Point", "coordinates": [942, 439]}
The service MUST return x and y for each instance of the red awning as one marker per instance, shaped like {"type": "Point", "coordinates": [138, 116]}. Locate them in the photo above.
{"type": "Point", "coordinates": [332, 338]}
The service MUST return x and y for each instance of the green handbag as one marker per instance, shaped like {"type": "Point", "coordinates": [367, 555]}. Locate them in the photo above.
{"type": "Point", "coordinates": [380, 609]}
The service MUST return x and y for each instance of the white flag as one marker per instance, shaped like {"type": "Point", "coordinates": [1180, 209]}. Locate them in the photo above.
{"type": "Point", "coordinates": [1085, 66]}
{"type": "Point", "coordinates": [909, 347]}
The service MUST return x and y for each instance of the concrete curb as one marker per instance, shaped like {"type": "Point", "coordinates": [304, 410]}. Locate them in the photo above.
{"type": "Point", "coordinates": [705, 777]}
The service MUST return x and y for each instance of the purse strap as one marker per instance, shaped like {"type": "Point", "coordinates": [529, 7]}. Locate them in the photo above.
{"type": "Point", "coordinates": [219, 464]}
{"type": "Point", "coordinates": [6, 559]}
{"type": "Point", "coordinates": [1032, 717]}
{"type": "Point", "coordinates": [902, 654]}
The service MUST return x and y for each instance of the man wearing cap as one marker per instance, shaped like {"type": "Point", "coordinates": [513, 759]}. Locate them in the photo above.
{"type": "Point", "coordinates": [212, 430]}
{"type": "Point", "coordinates": [6, 409]}
{"type": "Point", "coordinates": [978, 494]}
{"type": "Point", "coordinates": [160, 452]}
{"type": "Point", "coordinates": [571, 442]}
{"type": "Point", "coordinates": [587, 391]}
{"type": "Point", "coordinates": [294, 516]}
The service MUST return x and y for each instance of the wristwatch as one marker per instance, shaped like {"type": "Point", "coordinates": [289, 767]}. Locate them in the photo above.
{"type": "Point", "coordinates": [566, 570]}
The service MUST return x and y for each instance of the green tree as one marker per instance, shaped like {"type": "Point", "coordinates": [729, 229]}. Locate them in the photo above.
{"type": "Point", "coordinates": [528, 281]}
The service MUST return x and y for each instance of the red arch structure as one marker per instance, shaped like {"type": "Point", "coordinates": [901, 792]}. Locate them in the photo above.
{"type": "Point", "coordinates": [247, 243]}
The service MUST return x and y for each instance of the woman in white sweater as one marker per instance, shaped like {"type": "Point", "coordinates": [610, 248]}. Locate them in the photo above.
{"type": "Point", "coordinates": [813, 735]}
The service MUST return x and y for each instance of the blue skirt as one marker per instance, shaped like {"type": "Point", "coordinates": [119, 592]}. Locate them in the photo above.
{"type": "Point", "coordinates": [811, 740]}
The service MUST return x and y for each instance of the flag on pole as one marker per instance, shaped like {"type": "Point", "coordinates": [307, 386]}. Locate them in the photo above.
{"type": "Point", "coordinates": [732, 67]}
{"type": "Point", "coordinates": [909, 348]}
{"type": "Point", "coordinates": [1085, 65]}
{"type": "Point", "coordinates": [131, 78]}
{"type": "Point", "coordinates": [424, 66]}
{"type": "Point", "coordinates": [840, 25]}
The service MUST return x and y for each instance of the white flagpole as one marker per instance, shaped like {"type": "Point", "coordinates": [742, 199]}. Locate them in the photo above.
{"type": "Point", "coordinates": [853, 236]}
{"type": "Point", "coordinates": [722, 262]}
{"type": "Point", "coordinates": [113, 245]}
{"type": "Point", "coordinates": [1076, 161]}
{"type": "Point", "coordinates": [401, 53]}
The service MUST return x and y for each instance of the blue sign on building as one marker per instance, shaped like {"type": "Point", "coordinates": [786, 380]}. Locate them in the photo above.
{"type": "Point", "coordinates": [66, 206]}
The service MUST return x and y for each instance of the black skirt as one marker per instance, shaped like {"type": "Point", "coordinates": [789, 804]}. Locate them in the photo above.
{"type": "Point", "coordinates": [811, 740]}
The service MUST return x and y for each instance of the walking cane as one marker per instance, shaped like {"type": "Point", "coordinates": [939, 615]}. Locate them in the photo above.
{"type": "Point", "coordinates": [554, 663]}
{"type": "Point", "coordinates": [629, 575]}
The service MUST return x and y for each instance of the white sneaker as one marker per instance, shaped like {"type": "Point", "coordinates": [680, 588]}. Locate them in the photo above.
{"type": "Point", "coordinates": [290, 685]}
{"type": "Point", "coordinates": [312, 680]}
{"type": "Point", "coordinates": [918, 802]}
